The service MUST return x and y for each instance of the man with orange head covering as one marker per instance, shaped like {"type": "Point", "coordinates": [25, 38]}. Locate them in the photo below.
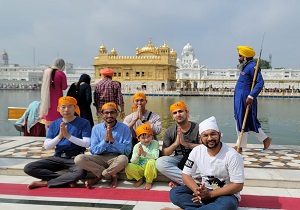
{"type": "Point", "coordinates": [70, 136]}
{"type": "Point", "coordinates": [180, 138]}
{"type": "Point", "coordinates": [140, 115]}
{"type": "Point", "coordinates": [244, 96]}
{"type": "Point", "coordinates": [108, 91]}
{"type": "Point", "coordinates": [110, 146]}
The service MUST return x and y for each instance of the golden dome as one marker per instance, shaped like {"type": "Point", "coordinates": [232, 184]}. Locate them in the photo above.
{"type": "Point", "coordinates": [113, 52]}
{"type": "Point", "coordinates": [4, 52]}
{"type": "Point", "coordinates": [164, 47]}
{"type": "Point", "coordinates": [173, 52]}
{"type": "Point", "coordinates": [149, 47]}
{"type": "Point", "coordinates": [102, 49]}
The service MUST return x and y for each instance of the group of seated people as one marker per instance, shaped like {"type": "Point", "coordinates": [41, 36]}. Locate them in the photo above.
{"type": "Point", "coordinates": [202, 169]}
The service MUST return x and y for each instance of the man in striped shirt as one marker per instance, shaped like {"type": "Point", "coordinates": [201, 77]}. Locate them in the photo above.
{"type": "Point", "coordinates": [108, 91]}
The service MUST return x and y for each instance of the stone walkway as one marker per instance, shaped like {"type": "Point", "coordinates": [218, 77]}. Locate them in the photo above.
{"type": "Point", "coordinates": [274, 172]}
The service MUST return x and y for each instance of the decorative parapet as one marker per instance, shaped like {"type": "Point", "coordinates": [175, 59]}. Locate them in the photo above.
{"type": "Point", "coordinates": [133, 57]}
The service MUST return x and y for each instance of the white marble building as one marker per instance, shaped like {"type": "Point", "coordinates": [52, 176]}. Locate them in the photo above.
{"type": "Point", "coordinates": [23, 77]}
{"type": "Point", "coordinates": [192, 75]}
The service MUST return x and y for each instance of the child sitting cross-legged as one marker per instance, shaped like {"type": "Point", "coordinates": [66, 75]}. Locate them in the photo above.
{"type": "Point", "coordinates": [142, 163]}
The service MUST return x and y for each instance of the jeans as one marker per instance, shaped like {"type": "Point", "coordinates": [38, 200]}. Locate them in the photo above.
{"type": "Point", "coordinates": [182, 197]}
{"type": "Point", "coordinates": [167, 165]}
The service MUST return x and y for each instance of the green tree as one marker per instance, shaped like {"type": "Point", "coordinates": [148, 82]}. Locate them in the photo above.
{"type": "Point", "coordinates": [264, 64]}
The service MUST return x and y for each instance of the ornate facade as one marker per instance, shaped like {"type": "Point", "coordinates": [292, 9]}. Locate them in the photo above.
{"type": "Point", "coordinates": [152, 68]}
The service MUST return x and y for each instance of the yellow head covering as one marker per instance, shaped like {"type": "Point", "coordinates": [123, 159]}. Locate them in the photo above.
{"type": "Point", "coordinates": [136, 96]}
{"type": "Point", "coordinates": [111, 105]}
{"type": "Point", "coordinates": [68, 100]}
{"type": "Point", "coordinates": [178, 105]}
{"type": "Point", "coordinates": [144, 128]}
{"type": "Point", "coordinates": [246, 51]}
{"type": "Point", "coordinates": [107, 72]}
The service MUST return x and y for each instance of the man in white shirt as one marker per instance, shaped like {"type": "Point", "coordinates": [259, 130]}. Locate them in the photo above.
{"type": "Point", "coordinates": [221, 169]}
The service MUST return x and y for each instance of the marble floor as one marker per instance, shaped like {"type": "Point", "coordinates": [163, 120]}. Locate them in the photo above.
{"type": "Point", "coordinates": [274, 172]}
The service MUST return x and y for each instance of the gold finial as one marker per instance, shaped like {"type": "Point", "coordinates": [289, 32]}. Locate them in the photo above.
{"type": "Point", "coordinates": [102, 49]}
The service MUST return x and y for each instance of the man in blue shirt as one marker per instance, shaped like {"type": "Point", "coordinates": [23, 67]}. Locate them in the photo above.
{"type": "Point", "coordinates": [245, 96]}
{"type": "Point", "coordinates": [70, 136]}
{"type": "Point", "coordinates": [110, 146]}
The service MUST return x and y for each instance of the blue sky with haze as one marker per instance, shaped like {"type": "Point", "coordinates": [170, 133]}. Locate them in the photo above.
{"type": "Point", "coordinates": [74, 29]}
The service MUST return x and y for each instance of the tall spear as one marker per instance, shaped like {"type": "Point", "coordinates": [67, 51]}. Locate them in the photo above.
{"type": "Point", "coordinates": [248, 106]}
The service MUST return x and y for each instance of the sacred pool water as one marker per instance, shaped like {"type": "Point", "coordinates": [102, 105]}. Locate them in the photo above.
{"type": "Point", "coordinates": [280, 118]}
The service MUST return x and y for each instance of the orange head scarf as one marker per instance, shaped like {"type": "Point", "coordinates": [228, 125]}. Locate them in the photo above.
{"type": "Point", "coordinates": [68, 100]}
{"type": "Point", "coordinates": [111, 105]}
{"type": "Point", "coordinates": [144, 128]}
{"type": "Point", "coordinates": [136, 96]}
{"type": "Point", "coordinates": [246, 51]}
{"type": "Point", "coordinates": [178, 105]}
{"type": "Point", "coordinates": [107, 72]}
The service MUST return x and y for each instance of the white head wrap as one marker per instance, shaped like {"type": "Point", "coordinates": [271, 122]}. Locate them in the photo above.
{"type": "Point", "coordinates": [58, 64]}
{"type": "Point", "coordinates": [208, 124]}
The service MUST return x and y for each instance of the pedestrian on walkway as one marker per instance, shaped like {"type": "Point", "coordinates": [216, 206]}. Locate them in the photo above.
{"type": "Point", "coordinates": [108, 91]}
{"type": "Point", "coordinates": [244, 96]}
{"type": "Point", "coordinates": [53, 83]}
{"type": "Point", "coordinates": [82, 91]}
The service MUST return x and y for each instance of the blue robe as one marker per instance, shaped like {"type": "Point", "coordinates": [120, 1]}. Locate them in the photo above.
{"type": "Point", "coordinates": [241, 92]}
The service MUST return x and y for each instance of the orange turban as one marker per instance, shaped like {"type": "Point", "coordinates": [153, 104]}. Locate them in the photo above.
{"type": "Point", "coordinates": [107, 72]}
{"type": "Point", "coordinates": [144, 128]}
{"type": "Point", "coordinates": [139, 95]}
{"type": "Point", "coordinates": [246, 51]}
{"type": "Point", "coordinates": [178, 105]}
{"type": "Point", "coordinates": [136, 96]}
{"type": "Point", "coordinates": [68, 100]}
{"type": "Point", "coordinates": [111, 105]}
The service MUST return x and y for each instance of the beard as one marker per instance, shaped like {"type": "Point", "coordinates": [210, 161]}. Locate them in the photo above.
{"type": "Point", "coordinates": [109, 120]}
{"type": "Point", "coordinates": [211, 146]}
{"type": "Point", "coordinates": [241, 65]}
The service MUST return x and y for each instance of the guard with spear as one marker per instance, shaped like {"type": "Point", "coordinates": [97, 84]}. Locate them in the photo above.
{"type": "Point", "coordinates": [247, 89]}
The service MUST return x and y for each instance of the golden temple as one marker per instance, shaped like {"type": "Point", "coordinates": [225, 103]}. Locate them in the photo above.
{"type": "Point", "coordinates": [152, 68]}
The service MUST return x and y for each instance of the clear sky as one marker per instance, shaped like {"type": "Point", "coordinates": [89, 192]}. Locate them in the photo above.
{"type": "Point", "coordinates": [75, 29]}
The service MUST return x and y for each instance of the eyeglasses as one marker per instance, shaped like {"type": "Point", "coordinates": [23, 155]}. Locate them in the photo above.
{"type": "Point", "coordinates": [212, 135]}
{"type": "Point", "coordinates": [179, 111]}
{"type": "Point", "coordinates": [111, 113]}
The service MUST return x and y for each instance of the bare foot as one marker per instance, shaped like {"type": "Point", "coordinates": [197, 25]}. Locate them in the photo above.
{"type": "Point", "coordinates": [90, 182]}
{"type": "Point", "coordinates": [173, 184]}
{"type": "Point", "coordinates": [114, 181]}
{"type": "Point", "coordinates": [37, 184]}
{"type": "Point", "coordinates": [139, 183]}
{"type": "Point", "coordinates": [267, 143]}
{"type": "Point", "coordinates": [240, 150]}
{"type": "Point", "coordinates": [72, 184]}
{"type": "Point", "coordinates": [148, 186]}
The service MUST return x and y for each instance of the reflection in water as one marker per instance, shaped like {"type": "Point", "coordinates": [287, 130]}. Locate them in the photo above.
{"type": "Point", "coordinates": [279, 118]}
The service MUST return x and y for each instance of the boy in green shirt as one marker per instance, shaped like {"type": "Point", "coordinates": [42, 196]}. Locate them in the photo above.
{"type": "Point", "coordinates": [142, 163]}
